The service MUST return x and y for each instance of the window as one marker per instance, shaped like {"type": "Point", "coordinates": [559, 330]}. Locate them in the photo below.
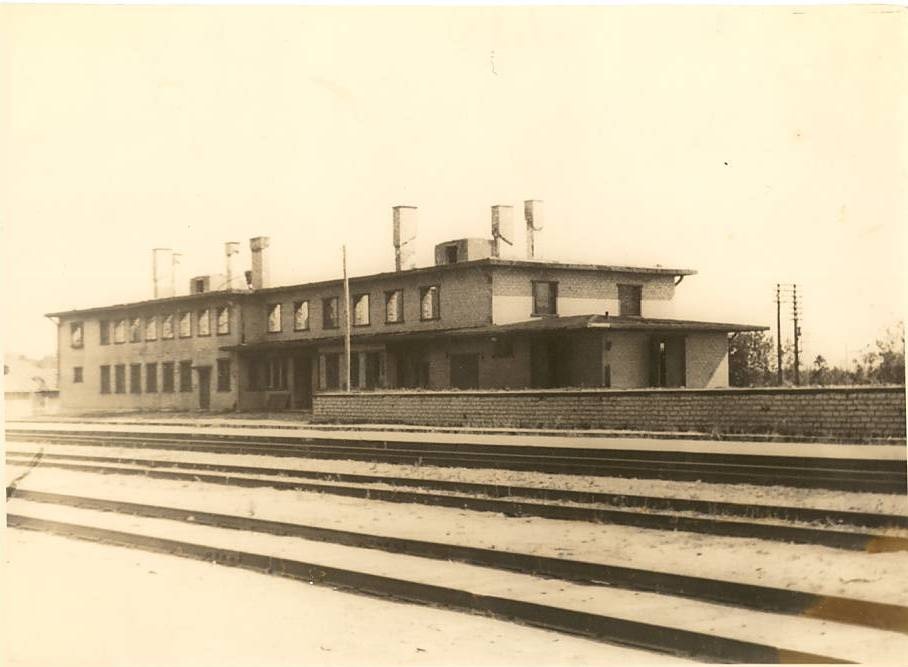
{"type": "Point", "coordinates": [135, 330]}
{"type": "Point", "coordinates": [451, 254]}
{"type": "Point", "coordinates": [274, 318]}
{"type": "Point", "coordinates": [203, 328]}
{"type": "Point", "coordinates": [105, 332]}
{"type": "Point", "coordinates": [185, 376]}
{"type": "Point", "coordinates": [266, 374]}
{"type": "Point", "coordinates": [394, 306]}
{"type": "Point", "coordinates": [330, 317]}
{"type": "Point", "coordinates": [151, 378]}
{"type": "Point", "coordinates": [120, 331]}
{"type": "Point", "coordinates": [185, 325]}
{"type": "Point", "coordinates": [502, 348]}
{"type": "Point", "coordinates": [120, 379]}
{"type": "Point", "coordinates": [167, 377]}
{"type": "Point", "coordinates": [332, 371]}
{"type": "Point", "coordinates": [135, 378]}
{"type": "Point", "coordinates": [151, 328]}
{"type": "Point", "coordinates": [361, 310]}
{"type": "Point", "coordinates": [629, 298]}
{"type": "Point", "coordinates": [545, 298]}
{"type": "Point", "coordinates": [428, 303]}
{"type": "Point", "coordinates": [105, 379]}
{"type": "Point", "coordinates": [223, 320]}
{"type": "Point", "coordinates": [223, 374]}
{"type": "Point", "coordinates": [301, 316]}
{"type": "Point", "coordinates": [167, 327]}
{"type": "Point", "coordinates": [75, 334]}
{"type": "Point", "coordinates": [77, 374]}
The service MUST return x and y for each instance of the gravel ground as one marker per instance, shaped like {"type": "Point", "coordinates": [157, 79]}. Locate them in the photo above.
{"type": "Point", "coordinates": [66, 607]}
{"type": "Point", "coordinates": [811, 568]}
{"type": "Point", "coordinates": [737, 493]}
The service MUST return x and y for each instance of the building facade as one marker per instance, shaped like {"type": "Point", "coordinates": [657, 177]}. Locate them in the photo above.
{"type": "Point", "coordinates": [472, 320]}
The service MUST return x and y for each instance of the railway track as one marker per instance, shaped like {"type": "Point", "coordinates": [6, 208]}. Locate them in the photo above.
{"type": "Point", "coordinates": [637, 511]}
{"type": "Point", "coordinates": [621, 629]}
{"type": "Point", "coordinates": [867, 475]}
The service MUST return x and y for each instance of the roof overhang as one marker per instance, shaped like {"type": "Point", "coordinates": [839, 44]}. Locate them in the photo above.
{"type": "Point", "coordinates": [545, 325]}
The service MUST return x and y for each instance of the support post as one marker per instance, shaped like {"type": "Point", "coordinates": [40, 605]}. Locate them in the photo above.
{"type": "Point", "coordinates": [346, 318]}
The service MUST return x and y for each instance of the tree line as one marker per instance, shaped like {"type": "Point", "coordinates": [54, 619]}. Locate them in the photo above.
{"type": "Point", "coordinates": [752, 362]}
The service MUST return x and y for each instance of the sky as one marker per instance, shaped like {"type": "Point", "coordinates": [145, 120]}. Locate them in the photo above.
{"type": "Point", "coordinates": [756, 145]}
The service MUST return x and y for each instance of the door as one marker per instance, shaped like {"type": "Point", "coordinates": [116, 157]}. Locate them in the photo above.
{"type": "Point", "coordinates": [302, 382]}
{"type": "Point", "coordinates": [204, 387]}
{"type": "Point", "coordinates": [465, 371]}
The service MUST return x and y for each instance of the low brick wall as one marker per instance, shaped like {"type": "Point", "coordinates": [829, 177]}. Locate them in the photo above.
{"type": "Point", "coordinates": [836, 412]}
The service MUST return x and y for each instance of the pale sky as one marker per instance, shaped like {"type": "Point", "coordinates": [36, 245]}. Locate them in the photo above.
{"type": "Point", "coordinates": [754, 144]}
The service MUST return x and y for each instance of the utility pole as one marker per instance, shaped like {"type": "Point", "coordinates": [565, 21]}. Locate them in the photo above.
{"type": "Point", "coordinates": [346, 318]}
{"type": "Point", "coordinates": [779, 376]}
{"type": "Point", "coordinates": [797, 333]}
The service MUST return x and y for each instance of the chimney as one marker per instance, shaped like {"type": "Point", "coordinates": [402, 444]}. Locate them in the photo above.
{"type": "Point", "coordinates": [234, 278]}
{"type": "Point", "coordinates": [404, 234]}
{"type": "Point", "coordinates": [502, 227]}
{"type": "Point", "coordinates": [162, 272]}
{"type": "Point", "coordinates": [532, 212]}
{"type": "Point", "coordinates": [260, 264]}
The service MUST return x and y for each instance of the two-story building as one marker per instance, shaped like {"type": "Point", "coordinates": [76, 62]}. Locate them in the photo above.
{"type": "Point", "coordinates": [473, 320]}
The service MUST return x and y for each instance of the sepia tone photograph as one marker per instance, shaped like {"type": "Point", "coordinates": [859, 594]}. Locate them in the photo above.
{"type": "Point", "coordinates": [442, 336]}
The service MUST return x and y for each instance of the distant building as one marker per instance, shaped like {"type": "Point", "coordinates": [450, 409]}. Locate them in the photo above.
{"type": "Point", "coordinates": [473, 320]}
{"type": "Point", "coordinates": [29, 387]}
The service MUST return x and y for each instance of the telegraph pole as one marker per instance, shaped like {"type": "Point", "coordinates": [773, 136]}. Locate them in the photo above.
{"type": "Point", "coordinates": [797, 333]}
{"type": "Point", "coordinates": [779, 377]}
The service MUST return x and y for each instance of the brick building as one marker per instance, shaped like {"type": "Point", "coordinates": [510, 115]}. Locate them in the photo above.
{"type": "Point", "coordinates": [472, 320]}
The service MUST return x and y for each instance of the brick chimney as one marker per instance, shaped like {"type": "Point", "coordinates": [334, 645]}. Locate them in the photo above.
{"type": "Point", "coordinates": [532, 212]}
{"type": "Point", "coordinates": [261, 269]}
{"type": "Point", "coordinates": [234, 276]}
{"type": "Point", "coordinates": [502, 227]}
{"type": "Point", "coordinates": [404, 234]}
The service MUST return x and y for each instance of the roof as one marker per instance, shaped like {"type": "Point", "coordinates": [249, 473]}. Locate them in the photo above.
{"type": "Point", "coordinates": [183, 298]}
{"type": "Point", "coordinates": [458, 266]}
{"type": "Point", "coordinates": [540, 325]}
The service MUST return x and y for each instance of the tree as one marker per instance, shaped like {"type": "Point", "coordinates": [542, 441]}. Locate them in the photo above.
{"type": "Point", "coordinates": [886, 364]}
{"type": "Point", "coordinates": [749, 355]}
{"type": "Point", "coordinates": [819, 374]}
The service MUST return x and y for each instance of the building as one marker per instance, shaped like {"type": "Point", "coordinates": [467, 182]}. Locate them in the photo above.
{"type": "Point", "coordinates": [472, 320]}
{"type": "Point", "coordinates": [29, 387]}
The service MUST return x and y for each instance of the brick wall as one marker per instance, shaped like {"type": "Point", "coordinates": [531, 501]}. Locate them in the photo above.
{"type": "Point", "coordinates": [836, 412]}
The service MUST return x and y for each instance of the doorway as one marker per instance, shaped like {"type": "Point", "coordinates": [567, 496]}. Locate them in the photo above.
{"type": "Point", "coordinates": [302, 382]}
{"type": "Point", "coordinates": [204, 387]}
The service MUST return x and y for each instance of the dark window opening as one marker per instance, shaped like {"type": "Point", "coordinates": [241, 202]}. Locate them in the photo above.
{"type": "Point", "coordinates": [185, 376]}
{"type": "Point", "coordinates": [151, 378]}
{"type": "Point", "coordinates": [545, 298]}
{"type": "Point", "coordinates": [120, 378]}
{"type": "Point", "coordinates": [629, 300]}
{"type": "Point", "coordinates": [167, 371]}
{"type": "Point", "coordinates": [77, 374]}
{"type": "Point", "coordinates": [361, 310]}
{"type": "Point", "coordinates": [135, 378]}
{"type": "Point", "coordinates": [223, 374]}
{"type": "Point", "coordinates": [105, 332]}
{"type": "Point", "coordinates": [451, 254]}
{"type": "Point", "coordinates": [105, 379]}
{"type": "Point", "coordinates": [332, 371]}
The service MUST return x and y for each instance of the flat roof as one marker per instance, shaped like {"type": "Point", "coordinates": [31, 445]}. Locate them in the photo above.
{"type": "Point", "coordinates": [540, 325]}
{"type": "Point", "coordinates": [476, 263]}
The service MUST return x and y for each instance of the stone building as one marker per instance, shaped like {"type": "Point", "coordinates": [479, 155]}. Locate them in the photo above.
{"type": "Point", "coordinates": [474, 319]}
